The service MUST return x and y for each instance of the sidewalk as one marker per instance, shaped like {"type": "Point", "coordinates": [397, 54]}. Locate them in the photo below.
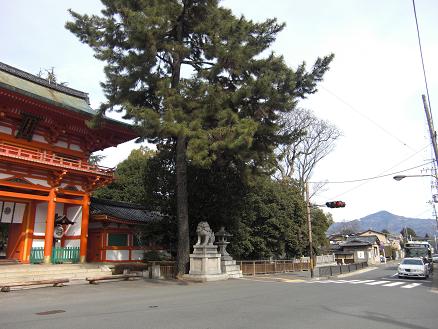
{"type": "Point", "coordinates": [435, 278]}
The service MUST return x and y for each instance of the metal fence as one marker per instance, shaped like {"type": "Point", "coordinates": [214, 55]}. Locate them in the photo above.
{"type": "Point", "coordinates": [253, 267]}
{"type": "Point", "coordinates": [59, 255]}
{"type": "Point", "coordinates": [340, 269]}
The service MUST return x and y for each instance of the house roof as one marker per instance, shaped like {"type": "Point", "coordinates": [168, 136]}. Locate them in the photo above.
{"type": "Point", "coordinates": [368, 238]}
{"type": "Point", "coordinates": [370, 230]}
{"type": "Point", "coordinates": [356, 244]}
{"type": "Point", "coordinates": [122, 212]}
{"type": "Point", "coordinates": [334, 247]}
{"type": "Point", "coordinates": [336, 236]}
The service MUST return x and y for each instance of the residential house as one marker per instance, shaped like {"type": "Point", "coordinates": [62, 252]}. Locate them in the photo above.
{"type": "Point", "coordinates": [357, 250]}
{"type": "Point", "coordinates": [389, 247]}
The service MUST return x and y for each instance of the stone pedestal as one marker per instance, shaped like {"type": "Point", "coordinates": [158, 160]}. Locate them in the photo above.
{"type": "Point", "coordinates": [230, 268]}
{"type": "Point", "coordinates": [205, 265]}
{"type": "Point", "coordinates": [205, 262]}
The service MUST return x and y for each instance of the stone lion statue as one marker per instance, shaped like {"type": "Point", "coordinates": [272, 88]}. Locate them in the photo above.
{"type": "Point", "coordinates": [205, 234]}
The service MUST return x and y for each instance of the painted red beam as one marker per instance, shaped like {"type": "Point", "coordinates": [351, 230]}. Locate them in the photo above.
{"type": "Point", "coordinates": [23, 196]}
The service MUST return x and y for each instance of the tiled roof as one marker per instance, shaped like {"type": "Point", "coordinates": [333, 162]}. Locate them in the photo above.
{"type": "Point", "coordinates": [367, 238]}
{"type": "Point", "coordinates": [123, 210]}
{"type": "Point", "coordinates": [370, 230]}
{"type": "Point", "coordinates": [356, 244]}
{"type": "Point", "coordinates": [33, 86]}
{"type": "Point", "coordinates": [29, 85]}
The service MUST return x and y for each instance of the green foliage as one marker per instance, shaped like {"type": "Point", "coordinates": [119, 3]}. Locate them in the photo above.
{"type": "Point", "coordinates": [266, 217]}
{"type": "Point", "coordinates": [320, 224]}
{"type": "Point", "coordinates": [94, 159]}
{"type": "Point", "coordinates": [225, 109]}
{"type": "Point", "coordinates": [233, 98]}
{"type": "Point", "coordinates": [128, 184]}
{"type": "Point", "coordinates": [408, 232]}
{"type": "Point", "coordinates": [271, 222]}
{"type": "Point", "coordinates": [154, 255]}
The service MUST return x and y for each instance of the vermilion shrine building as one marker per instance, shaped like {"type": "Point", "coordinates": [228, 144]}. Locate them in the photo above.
{"type": "Point", "coordinates": [45, 176]}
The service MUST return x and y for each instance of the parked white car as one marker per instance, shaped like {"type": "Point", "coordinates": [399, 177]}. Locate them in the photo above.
{"type": "Point", "coordinates": [413, 267]}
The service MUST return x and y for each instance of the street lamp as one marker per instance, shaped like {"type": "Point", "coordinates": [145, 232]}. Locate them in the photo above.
{"type": "Point", "coordinates": [400, 177]}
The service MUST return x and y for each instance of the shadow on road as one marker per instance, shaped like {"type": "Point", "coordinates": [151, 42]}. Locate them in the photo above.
{"type": "Point", "coordinates": [378, 317]}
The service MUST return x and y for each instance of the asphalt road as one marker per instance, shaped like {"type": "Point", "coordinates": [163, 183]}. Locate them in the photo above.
{"type": "Point", "coordinates": [375, 299]}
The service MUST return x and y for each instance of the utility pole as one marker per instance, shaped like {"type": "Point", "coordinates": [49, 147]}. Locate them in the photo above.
{"type": "Point", "coordinates": [432, 133]}
{"type": "Point", "coordinates": [431, 128]}
{"type": "Point", "coordinates": [309, 226]}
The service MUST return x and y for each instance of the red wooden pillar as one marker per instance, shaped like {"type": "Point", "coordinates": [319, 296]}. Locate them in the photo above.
{"type": "Point", "coordinates": [84, 228]}
{"type": "Point", "coordinates": [28, 231]}
{"type": "Point", "coordinates": [50, 226]}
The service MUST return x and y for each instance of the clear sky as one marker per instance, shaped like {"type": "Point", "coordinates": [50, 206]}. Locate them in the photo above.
{"type": "Point", "coordinates": [372, 92]}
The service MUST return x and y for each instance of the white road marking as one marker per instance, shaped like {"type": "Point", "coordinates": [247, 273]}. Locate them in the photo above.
{"type": "Point", "coordinates": [362, 281]}
{"type": "Point", "coordinates": [399, 284]}
{"type": "Point", "coordinates": [393, 284]}
{"type": "Point", "coordinates": [377, 282]}
{"type": "Point", "coordinates": [412, 285]}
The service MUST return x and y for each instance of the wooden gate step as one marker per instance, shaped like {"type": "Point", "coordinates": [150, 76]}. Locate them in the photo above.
{"type": "Point", "coordinates": [9, 262]}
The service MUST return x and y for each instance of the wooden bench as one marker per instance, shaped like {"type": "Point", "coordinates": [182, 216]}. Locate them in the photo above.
{"type": "Point", "coordinates": [55, 283]}
{"type": "Point", "coordinates": [125, 277]}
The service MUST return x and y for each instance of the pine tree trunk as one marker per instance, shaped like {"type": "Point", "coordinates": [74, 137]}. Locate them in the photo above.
{"type": "Point", "coordinates": [183, 248]}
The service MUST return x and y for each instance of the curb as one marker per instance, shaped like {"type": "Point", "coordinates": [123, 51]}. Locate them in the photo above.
{"type": "Point", "coordinates": [368, 269]}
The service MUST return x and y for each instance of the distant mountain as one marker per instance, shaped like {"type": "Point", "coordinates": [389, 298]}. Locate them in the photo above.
{"type": "Point", "coordinates": [385, 220]}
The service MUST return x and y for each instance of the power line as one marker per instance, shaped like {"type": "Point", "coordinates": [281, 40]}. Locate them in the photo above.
{"type": "Point", "coordinates": [421, 55]}
{"type": "Point", "coordinates": [375, 177]}
{"type": "Point", "coordinates": [366, 117]}
{"type": "Point", "coordinates": [396, 165]}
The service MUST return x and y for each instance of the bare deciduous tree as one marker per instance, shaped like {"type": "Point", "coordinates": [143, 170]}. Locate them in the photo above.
{"type": "Point", "coordinates": [315, 139]}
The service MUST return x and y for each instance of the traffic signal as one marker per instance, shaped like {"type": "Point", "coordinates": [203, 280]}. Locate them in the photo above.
{"type": "Point", "coordinates": [335, 204]}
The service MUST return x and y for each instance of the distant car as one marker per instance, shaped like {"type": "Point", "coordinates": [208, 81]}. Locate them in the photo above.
{"type": "Point", "coordinates": [382, 259]}
{"type": "Point", "coordinates": [413, 267]}
{"type": "Point", "coordinates": [435, 258]}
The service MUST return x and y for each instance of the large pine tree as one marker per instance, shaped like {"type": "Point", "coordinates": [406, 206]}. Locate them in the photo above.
{"type": "Point", "coordinates": [190, 72]}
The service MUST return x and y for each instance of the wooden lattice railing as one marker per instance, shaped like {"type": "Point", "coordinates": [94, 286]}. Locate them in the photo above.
{"type": "Point", "coordinates": [52, 160]}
